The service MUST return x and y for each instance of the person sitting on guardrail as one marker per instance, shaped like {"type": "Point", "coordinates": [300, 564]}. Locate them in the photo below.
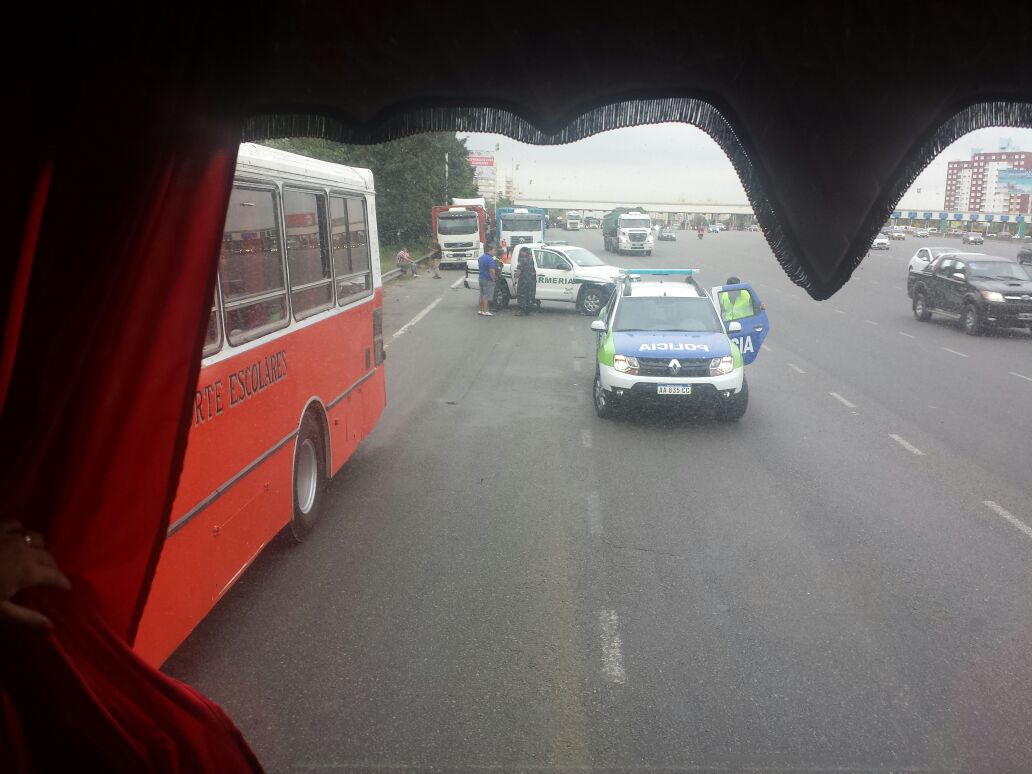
{"type": "Point", "coordinates": [404, 262]}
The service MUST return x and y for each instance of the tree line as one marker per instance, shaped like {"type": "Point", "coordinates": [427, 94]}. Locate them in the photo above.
{"type": "Point", "coordinates": [409, 174]}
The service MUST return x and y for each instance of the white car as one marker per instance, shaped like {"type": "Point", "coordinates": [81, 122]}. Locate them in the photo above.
{"type": "Point", "coordinates": [925, 256]}
{"type": "Point", "coordinates": [921, 232]}
{"type": "Point", "coordinates": [565, 273]}
{"type": "Point", "coordinates": [881, 242]}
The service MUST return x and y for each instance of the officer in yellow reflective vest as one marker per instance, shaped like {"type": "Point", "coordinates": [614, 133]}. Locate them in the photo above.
{"type": "Point", "coordinates": [736, 304]}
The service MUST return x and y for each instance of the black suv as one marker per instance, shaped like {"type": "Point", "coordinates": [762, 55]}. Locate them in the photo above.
{"type": "Point", "coordinates": [978, 290]}
{"type": "Point", "coordinates": [1025, 255]}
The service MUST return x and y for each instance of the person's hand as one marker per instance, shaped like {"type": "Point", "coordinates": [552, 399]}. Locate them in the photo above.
{"type": "Point", "coordinates": [25, 563]}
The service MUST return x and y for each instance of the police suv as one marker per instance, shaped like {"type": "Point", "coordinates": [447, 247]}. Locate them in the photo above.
{"type": "Point", "coordinates": [662, 338]}
{"type": "Point", "coordinates": [564, 273]}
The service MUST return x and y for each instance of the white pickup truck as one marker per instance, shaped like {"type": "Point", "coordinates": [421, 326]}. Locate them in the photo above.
{"type": "Point", "coordinates": [565, 273]}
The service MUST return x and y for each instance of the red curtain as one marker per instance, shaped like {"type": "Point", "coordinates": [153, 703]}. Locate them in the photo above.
{"type": "Point", "coordinates": [108, 306]}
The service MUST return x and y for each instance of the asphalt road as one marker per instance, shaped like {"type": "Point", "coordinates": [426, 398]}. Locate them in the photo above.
{"type": "Point", "coordinates": [503, 581]}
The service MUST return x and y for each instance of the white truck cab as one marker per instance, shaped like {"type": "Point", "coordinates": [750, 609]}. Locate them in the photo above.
{"type": "Point", "coordinates": [458, 234]}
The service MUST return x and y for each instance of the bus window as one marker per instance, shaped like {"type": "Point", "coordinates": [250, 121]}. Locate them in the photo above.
{"type": "Point", "coordinates": [350, 248]}
{"type": "Point", "coordinates": [311, 280]}
{"type": "Point", "coordinates": [357, 237]}
{"type": "Point", "coordinates": [213, 339]}
{"type": "Point", "coordinates": [251, 267]}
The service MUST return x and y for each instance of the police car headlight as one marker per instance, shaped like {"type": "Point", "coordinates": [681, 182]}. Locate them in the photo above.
{"type": "Point", "coordinates": [719, 366]}
{"type": "Point", "coordinates": [992, 295]}
{"type": "Point", "coordinates": [625, 365]}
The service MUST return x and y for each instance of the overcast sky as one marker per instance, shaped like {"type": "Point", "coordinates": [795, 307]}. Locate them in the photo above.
{"type": "Point", "coordinates": [676, 162]}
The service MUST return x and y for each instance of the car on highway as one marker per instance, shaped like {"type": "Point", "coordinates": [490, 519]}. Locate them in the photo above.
{"type": "Point", "coordinates": [921, 233]}
{"type": "Point", "coordinates": [754, 227]}
{"type": "Point", "coordinates": [565, 273]}
{"type": "Point", "coordinates": [897, 234]}
{"type": "Point", "coordinates": [667, 235]}
{"type": "Point", "coordinates": [1025, 255]}
{"type": "Point", "coordinates": [955, 232]}
{"type": "Point", "coordinates": [925, 255]}
{"type": "Point", "coordinates": [881, 242]}
{"type": "Point", "coordinates": [972, 238]}
{"type": "Point", "coordinates": [980, 291]}
{"type": "Point", "coordinates": [714, 228]}
{"type": "Point", "coordinates": [662, 339]}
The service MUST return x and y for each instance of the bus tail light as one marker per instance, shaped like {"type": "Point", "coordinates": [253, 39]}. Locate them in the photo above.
{"type": "Point", "coordinates": [379, 354]}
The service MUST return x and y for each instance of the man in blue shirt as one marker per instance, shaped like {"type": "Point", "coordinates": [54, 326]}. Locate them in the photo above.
{"type": "Point", "coordinates": [488, 272]}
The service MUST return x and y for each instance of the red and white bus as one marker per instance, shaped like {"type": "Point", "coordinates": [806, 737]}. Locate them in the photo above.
{"type": "Point", "coordinates": [291, 381]}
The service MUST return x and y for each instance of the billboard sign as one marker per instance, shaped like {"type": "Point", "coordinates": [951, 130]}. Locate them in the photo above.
{"type": "Point", "coordinates": [1015, 181]}
{"type": "Point", "coordinates": [483, 163]}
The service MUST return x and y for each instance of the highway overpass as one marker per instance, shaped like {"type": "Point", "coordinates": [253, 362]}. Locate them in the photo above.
{"type": "Point", "coordinates": [603, 205]}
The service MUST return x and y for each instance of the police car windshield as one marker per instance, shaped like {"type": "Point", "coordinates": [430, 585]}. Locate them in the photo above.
{"type": "Point", "coordinates": [666, 313]}
{"type": "Point", "coordinates": [583, 257]}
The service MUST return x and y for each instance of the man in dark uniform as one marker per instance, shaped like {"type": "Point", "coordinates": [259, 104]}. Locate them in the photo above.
{"type": "Point", "coordinates": [526, 281]}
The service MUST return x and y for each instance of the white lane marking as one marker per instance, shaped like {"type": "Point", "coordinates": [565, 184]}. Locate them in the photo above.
{"type": "Point", "coordinates": [585, 438]}
{"type": "Point", "coordinates": [416, 319]}
{"type": "Point", "coordinates": [766, 348]}
{"type": "Point", "coordinates": [904, 333]}
{"type": "Point", "coordinates": [612, 650]}
{"type": "Point", "coordinates": [838, 311]}
{"type": "Point", "coordinates": [870, 322]}
{"type": "Point", "coordinates": [796, 368]}
{"type": "Point", "coordinates": [953, 351]}
{"type": "Point", "coordinates": [594, 513]}
{"type": "Point", "coordinates": [1014, 520]}
{"type": "Point", "coordinates": [842, 400]}
{"type": "Point", "coordinates": [1020, 376]}
{"type": "Point", "coordinates": [907, 445]}
{"type": "Point", "coordinates": [458, 282]}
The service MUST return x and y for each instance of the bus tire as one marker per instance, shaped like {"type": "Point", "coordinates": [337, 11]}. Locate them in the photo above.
{"type": "Point", "coordinates": [309, 480]}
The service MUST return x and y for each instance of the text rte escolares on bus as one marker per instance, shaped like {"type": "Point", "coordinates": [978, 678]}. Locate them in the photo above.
{"type": "Point", "coordinates": [213, 399]}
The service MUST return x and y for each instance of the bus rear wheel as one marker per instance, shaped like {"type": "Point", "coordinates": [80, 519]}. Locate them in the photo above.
{"type": "Point", "coordinates": [309, 478]}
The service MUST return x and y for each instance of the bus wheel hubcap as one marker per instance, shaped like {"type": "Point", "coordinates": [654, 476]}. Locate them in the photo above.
{"type": "Point", "coordinates": [307, 476]}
